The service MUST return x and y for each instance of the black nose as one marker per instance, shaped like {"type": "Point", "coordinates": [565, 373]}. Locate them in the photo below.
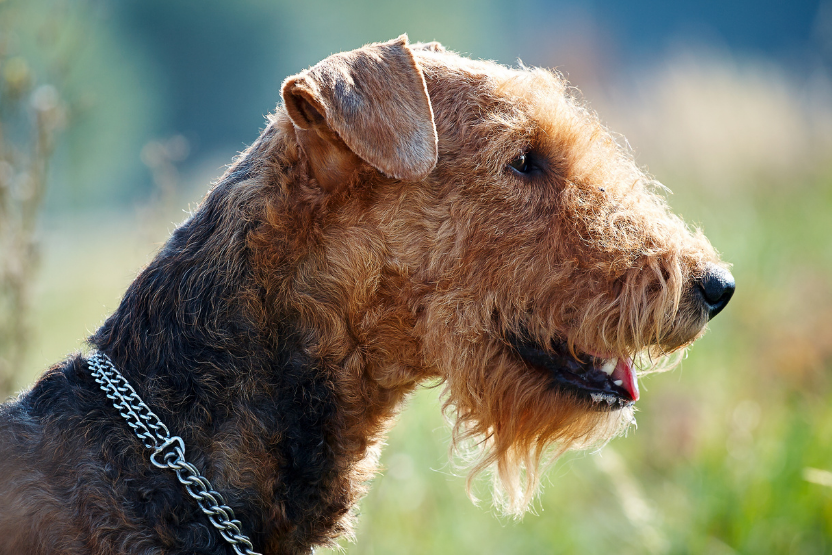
{"type": "Point", "coordinates": [716, 288]}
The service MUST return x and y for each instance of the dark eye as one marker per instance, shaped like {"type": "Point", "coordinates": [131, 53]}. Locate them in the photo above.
{"type": "Point", "coordinates": [521, 164]}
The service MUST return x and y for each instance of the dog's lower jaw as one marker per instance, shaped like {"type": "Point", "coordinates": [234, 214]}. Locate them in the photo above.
{"type": "Point", "coordinates": [606, 383]}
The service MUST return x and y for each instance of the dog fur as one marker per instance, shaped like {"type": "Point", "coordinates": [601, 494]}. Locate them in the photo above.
{"type": "Point", "coordinates": [375, 236]}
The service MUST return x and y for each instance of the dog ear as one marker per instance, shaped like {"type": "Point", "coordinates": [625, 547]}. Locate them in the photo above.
{"type": "Point", "coordinates": [371, 103]}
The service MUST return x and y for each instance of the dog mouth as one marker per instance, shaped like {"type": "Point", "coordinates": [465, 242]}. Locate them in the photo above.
{"type": "Point", "coordinates": [607, 383]}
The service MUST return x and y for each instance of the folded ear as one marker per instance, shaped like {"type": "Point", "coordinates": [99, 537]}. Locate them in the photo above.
{"type": "Point", "coordinates": [371, 103]}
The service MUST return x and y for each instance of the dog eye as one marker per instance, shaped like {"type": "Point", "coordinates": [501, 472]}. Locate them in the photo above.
{"type": "Point", "coordinates": [520, 164]}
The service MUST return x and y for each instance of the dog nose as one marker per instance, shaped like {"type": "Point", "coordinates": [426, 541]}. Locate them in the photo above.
{"type": "Point", "coordinates": [716, 288]}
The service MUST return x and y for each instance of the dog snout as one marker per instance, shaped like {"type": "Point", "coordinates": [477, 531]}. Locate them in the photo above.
{"type": "Point", "coordinates": [715, 289]}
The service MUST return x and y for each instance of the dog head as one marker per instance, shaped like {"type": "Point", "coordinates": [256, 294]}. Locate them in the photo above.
{"type": "Point", "coordinates": [477, 223]}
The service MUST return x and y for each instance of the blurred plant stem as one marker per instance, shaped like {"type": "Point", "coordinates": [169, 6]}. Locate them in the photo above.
{"type": "Point", "coordinates": [161, 157]}
{"type": "Point", "coordinates": [31, 115]}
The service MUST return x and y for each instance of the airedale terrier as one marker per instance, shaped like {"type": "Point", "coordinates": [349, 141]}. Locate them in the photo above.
{"type": "Point", "coordinates": [408, 214]}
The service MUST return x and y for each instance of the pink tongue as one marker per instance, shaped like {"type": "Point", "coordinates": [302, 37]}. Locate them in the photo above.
{"type": "Point", "coordinates": [624, 372]}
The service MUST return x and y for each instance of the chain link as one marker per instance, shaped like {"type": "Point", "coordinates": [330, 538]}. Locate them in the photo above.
{"type": "Point", "coordinates": [168, 451]}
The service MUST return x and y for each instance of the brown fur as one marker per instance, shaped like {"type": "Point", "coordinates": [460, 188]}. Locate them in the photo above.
{"type": "Point", "coordinates": [371, 239]}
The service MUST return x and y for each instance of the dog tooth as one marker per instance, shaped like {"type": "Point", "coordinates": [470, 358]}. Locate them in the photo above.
{"type": "Point", "coordinates": [619, 382]}
{"type": "Point", "coordinates": [609, 366]}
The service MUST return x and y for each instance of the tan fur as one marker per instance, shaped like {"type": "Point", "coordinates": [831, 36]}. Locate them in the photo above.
{"type": "Point", "coordinates": [373, 238]}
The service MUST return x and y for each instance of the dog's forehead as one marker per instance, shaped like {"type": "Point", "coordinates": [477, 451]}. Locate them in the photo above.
{"type": "Point", "coordinates": [487, 77]}
{"type": "Point", "coordinates": [489, 113]}
{"type": "Point", "coordinates": [462, 88]}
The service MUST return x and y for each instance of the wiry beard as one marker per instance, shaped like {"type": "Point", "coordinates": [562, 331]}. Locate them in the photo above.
{"type": "Point", "coordinates": [510, 418]}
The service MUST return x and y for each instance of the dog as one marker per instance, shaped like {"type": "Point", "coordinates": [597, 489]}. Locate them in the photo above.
{"type": "Point", "coordinates": [407, 214]}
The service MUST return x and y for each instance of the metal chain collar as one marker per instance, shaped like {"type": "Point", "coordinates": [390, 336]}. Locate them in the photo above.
{"type": "Point", "coordinates": [168, 451]}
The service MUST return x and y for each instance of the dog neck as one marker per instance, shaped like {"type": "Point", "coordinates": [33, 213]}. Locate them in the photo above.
{"type": "Point", "coordinates": [214, 346]}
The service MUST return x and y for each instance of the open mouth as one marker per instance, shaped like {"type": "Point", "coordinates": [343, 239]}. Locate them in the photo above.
{"type": "Point", "coordinates": [607, 383]}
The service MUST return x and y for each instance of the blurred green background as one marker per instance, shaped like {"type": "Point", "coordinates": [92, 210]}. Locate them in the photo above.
{"type": "Point", "coordinates": [137, 105]}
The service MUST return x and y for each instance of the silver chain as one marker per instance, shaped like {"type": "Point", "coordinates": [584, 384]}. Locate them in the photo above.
{"type": "Point", "coordinates": [168, 451]}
